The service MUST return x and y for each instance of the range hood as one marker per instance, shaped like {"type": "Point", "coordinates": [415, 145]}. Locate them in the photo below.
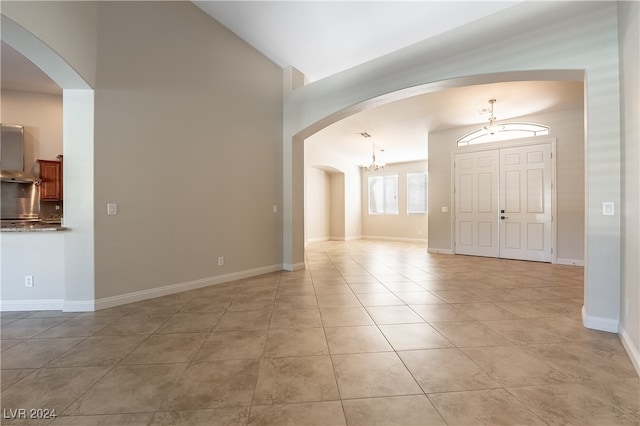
{"type": "Point", "coordinates": [16, 176]}
{"type": "Point", "coordinates": [12, 156]}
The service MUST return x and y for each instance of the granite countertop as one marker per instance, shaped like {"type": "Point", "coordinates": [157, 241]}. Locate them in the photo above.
{"type": "Point", "coordinates": [36, 226]}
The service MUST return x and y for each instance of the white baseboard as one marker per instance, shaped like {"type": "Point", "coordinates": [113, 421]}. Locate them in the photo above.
{"type": "Point", "coordinates": [108, 302]}
{"type": "Point", "coordinates": [32, 305]}
{"type": "Point", "coordinates": [79, 306]}
{"type": "Point", "coordinates": [293, 267]}
{"type": "Point", "coordinates": [571, 262]}
{"type": "Point", "coordinates": [634, 353]}
{"type": "Point", "coordinates": [439, 250]}
{"type": "Point", "coordinates": [136, 296]}
{"type": "Point", "coordinates": [399, 239]}
{"type": "Point", "coordinates": [318, 239]}
{"type": "Point", "coordinates": [598, 323]}
{"type": "Point", "coordinates": [321, 239]}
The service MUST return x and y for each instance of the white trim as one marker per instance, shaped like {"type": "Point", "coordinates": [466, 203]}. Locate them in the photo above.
{"type": "Point", "coordinates": [570, 262]}
{"type": "Point", "coordinates": [632, 351]}
{"type": "Point", "coordinates": [137, 296]}
{"type": "Point", "coordinates": [399, 239]}
{"type": "Point", "coordinates": [439, 250]}
{"type": "Point", "coordinates": [318, 239]}
{"type": "Point", "coordinates": [293, 267]}
{"type": "Point", "coordinates": [598, 323]}
{"type": "Point", "coordinates": [352, 238]}
{"type": "Point", "coordinates": [32, 305]}
{"type": "Point", "coordinates": [78, 306]}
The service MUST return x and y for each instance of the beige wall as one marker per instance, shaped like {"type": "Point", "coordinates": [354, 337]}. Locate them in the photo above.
{"type": "Point", "coordinates": [188, 145]}
{"type": "Point", "coordinates": [325, 204]}
{"type": "Point", "coordinates": [346, 203]}
{"type": "Point", "coordinates": [337, 208]}
{"type": "Point", "coordinates": [318, 204]}
{"type": "Point", "coordinates": [567, 128]}
{"type": "Point", "coordinates": [629, 19]}
{"type": "Point", "coordinates": [394, 227]}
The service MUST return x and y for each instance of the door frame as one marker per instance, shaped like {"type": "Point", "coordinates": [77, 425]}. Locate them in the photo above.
{"type": "Point", "coordinates": [511, 143]}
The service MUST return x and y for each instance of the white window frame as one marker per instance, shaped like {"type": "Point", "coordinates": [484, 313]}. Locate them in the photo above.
{"type": "Point", "coordinates": [386, 180]}
{"type": "Point", "coordinates": [505, 131]}
{"type": "Point", "coordinates": [411, 212]}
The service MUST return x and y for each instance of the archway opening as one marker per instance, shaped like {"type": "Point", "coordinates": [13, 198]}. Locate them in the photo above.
{"type": "Point", "coordinates": [78, 124]}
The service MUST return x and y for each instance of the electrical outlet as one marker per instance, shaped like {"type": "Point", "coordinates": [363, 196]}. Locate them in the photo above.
{"type": "Point", "coordinates": [28, 281]}
{"type": "Point", "coordinates": [221, 261]}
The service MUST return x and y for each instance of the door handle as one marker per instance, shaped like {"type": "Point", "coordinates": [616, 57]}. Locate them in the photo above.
{"type": "Point", "coordinates": [503, 217]}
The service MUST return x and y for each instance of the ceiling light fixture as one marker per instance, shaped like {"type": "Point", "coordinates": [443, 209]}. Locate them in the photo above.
{"type": "Point", "coordinates": [375, 165]}
{"type": "Point", "coordinates": [491, 128]}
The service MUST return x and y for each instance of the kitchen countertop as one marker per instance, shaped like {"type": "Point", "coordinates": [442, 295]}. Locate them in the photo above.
{"type": "Point", "coordinates": [36, 226]}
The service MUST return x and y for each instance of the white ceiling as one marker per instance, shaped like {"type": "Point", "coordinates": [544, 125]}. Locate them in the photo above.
{"type": "Point", "coordinates": [321, 38]}
{"type": "Point", "coordinates": [401, 127]}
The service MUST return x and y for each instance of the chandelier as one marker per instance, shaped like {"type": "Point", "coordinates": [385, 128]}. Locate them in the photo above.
{"type": "Point", "coordinates": [375, 165]}
{"type": "Point", "coordinates": [490, 127]}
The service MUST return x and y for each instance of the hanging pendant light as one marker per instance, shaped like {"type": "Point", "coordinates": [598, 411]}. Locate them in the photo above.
{"type": "Point", "coordinates": [491, 127]}
{"type": "Point", "coordinates": [375, 165]}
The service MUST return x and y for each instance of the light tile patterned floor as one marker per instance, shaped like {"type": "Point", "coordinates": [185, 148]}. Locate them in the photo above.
{"type": "Point", "coordinates": [371, 333]}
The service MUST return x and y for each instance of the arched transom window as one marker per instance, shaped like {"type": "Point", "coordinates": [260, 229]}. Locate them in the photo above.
{"type": "Point", "coordinates": [503, 132]}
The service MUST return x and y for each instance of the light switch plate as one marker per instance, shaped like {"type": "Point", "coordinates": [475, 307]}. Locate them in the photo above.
{"type": "Point", "coordinates": [112, 208]}
{"type": "Point", "coordinates": [608, 208]}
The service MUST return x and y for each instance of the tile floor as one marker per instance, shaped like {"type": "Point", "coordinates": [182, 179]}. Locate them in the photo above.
{"type": "Point", "coordinates": [371, 333]}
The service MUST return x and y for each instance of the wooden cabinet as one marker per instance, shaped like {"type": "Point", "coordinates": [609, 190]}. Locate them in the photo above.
{"type": "Point", "coordinates": [51, 179]}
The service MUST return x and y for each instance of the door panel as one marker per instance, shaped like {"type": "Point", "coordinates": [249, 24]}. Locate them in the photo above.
{"type": "Point", "coordinates": [525, 187]}
{"type": "Point", "coordinates": [476, 203]}
{"type": "Point", "coordinates": [512, 236]}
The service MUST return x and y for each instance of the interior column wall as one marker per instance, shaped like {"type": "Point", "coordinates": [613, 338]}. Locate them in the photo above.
{"type": "Point", "coordinates": [629, 17]}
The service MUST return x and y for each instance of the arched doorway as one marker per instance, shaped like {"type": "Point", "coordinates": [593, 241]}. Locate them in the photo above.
{"type": "Point", "coordinates": [78, 107]}
{"type": "Point", "coordinates": [605, 309]}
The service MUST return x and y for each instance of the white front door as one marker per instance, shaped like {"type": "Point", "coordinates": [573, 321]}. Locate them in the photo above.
{"type": "Point", "coordinates": [502, 203]}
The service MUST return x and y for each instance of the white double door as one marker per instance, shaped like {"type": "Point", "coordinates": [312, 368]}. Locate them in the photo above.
{"type": "Point", "coordinates": [503, 201]}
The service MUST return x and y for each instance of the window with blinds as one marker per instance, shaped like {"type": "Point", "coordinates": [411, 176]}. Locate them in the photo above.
{"type": "Point", "coordinates": [383, 194]}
